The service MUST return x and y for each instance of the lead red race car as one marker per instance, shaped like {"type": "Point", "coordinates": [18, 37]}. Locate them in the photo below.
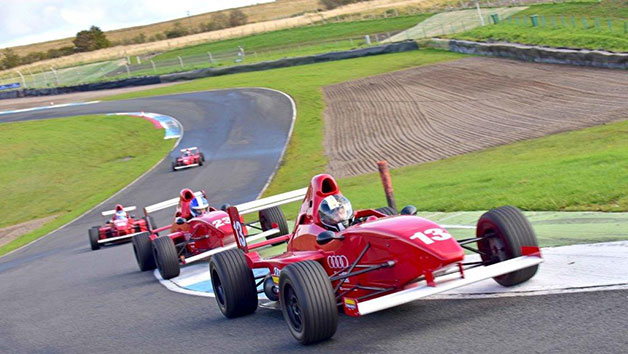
{"type": "Point", "coordinates": [197, 232]}
{"type": "Point", "coordinates": [365, 261]}
{"type": "Point", "coordinates": [189, 157]}
{"type": "Point", "coordinates": [122, 227]}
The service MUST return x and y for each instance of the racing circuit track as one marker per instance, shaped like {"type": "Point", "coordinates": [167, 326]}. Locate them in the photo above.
{"type": "Point", "coordinates": [58, 296]}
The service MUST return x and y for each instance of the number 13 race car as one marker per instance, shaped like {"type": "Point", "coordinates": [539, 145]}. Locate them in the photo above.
{"type": "Point", "coordinates": [190, 157]}
{"type": "Point", "coordinates": [197, 232]}
{"type": "Point", "coordinates": [120, 228]}
{"type": "Point", "coordinates": [365, 261]}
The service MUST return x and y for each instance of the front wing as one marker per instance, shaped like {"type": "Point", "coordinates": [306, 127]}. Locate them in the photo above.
{"type": "Point", "coordinates": [353, 307]}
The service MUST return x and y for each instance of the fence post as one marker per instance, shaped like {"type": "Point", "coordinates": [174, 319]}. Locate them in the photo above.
{"type": "Point", "coordinates": [21, 77]}
{"type": "Point", "coordinates": [367, 38]}
{"type": "Point", "coordinates": [211, 59]}
{"type": "Point", "coordinates": [54, 72]}
{"type": "Point", "coordinates": [128, 70]}
{"type": "Point", "coordinates": [137, 57]}
{"type": "Point", "coordinates": [154, 67]}
{"type": "Point", "coordinates": [180, 61]}
{"type": "Point", "coordinates": [477, 5]}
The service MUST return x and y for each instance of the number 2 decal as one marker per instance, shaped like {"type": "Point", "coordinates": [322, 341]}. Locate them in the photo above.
{"type": "Point", "coordinates": [430, 235]}
{"type": "Point", "coordinates": [221, 222]}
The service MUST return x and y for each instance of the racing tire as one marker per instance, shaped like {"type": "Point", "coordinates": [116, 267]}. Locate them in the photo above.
{"type": "Point", "coordinates": [174, 165]}
{"type": "Point", "coordinates": [387, 210]}
{"type": "Point", "coordinates": [143, 250]}
{"type": "Point", "coordinates": [94, 236]}
{"type": "Point", "coordinates": [202, 158]}
{"type": "Point", "coordinates": [166, 260]}
{"type": "Point", "coordinates": [307, 302]}
{"type": "Point", "coordinates": [150, 222]}
{"type": "Point", "coordinates": [504, 231]}
{"type": "Point", "coordinates": [233, 283]}
{"type": "Point", "coordinates": [273, 215]}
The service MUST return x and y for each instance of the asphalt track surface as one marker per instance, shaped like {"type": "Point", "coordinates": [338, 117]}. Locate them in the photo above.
{"type": "Point", "coordinates": [58, 296]}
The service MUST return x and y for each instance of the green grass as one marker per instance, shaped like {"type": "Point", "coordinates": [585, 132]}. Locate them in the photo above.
{"type": "Point", "coordinates": [562, 25]}
{"type": "Point", "coordinates": [299, 35]}
{"type": "Point", "coordinates": [304, 156]}
{"type": "Point", "coordinates": [65, 166]}
{"type": "Point", "coordinates": [580, 170]}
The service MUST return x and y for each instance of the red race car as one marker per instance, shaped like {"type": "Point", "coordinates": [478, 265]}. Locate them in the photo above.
{"type": "Point", "coordinates": [190, 157]}
{"type": "Point", "coordinates": [366, 261]}
{"type": "Point", "coordinates": [197, 232]}
{"type": "Point", "coordinates": [120, 228]}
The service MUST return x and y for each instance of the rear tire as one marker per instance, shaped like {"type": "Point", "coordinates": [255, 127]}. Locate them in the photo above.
{"type": "Point", "coordinates": [233, 283]}
{"type": "Point", "coordinates": [94, 236]}
{"type": "Point", "coordinates": [273, 215]}
{"type": "Point", "coordinates": [510, 230]}
{"type": "Point", "coordinates": [174, 165]}
{"type": "Point", "coordinates": [307, 302]}
{"type": "Point", "coordinates": [387, 210]}
{"type": "Point", "coordinates": [202, 158]}
{"type": "Point", "coordinates": [143, 249]}
{"type": "Point", "coordinates": [165, 254]}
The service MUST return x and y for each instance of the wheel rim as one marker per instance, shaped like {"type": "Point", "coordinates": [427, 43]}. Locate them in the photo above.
{"type": "Point", "coordinates": [494, 246]}
{"type": "Point", "coordinates": [219, 291]}
{"type": "Point", "coordinates": [293, 309]}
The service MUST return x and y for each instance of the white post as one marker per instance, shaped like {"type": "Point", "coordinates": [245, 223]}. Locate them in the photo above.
{"type": "Point", "coordinates": [154, 68]}
{"type": "Point", "coordinates": [54, 72]}
{"type": "Point", "coordinates": [180, 62]}
{"type": "Point", "coordinates": [138, 59]}
{"type": "Point", "coordinates": [367, 38]}
{"type": "Point", "coordinates": [477, 5]}
{"type": "Point", "coordinates": [211, 59]}
{"type": "Point", "coordinates": [128, 70]}
{"type": "Point", "coordinates": [21, 77]}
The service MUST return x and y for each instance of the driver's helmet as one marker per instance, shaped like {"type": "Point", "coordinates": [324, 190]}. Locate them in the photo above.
{"type": "Point", "coordinates": [120, 215]}
{"type": "Point", "coordinates": [186, 153]}
{"type": "Point", "coordinates": [199, 206]}
{"type": "Point", "coordinates": [335, 212]}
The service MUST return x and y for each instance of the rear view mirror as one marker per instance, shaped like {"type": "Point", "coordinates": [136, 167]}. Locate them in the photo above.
{"type": "Point", "coordinates": [326, 236]}
{"type": "Point", "coordinates": [408, 210]}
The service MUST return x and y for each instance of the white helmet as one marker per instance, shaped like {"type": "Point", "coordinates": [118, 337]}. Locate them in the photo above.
{"type": "Point", "coordinates": [336, 212]}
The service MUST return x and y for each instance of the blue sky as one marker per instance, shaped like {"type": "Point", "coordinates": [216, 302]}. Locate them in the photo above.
{"type": "Point", "coordinates": [32, 21]}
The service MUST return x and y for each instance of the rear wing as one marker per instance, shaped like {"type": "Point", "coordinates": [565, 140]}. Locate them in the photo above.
{"type": "Point", "coordinates": [257, 205]}
{"type": "Point", "coordinates": [166, 204]}
{"type": "Point", "coordinates": [111, 212]}
{"type": "Point", "coordinates": [190, 148]}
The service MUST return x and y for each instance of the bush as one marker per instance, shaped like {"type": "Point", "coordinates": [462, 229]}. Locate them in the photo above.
{"type": "Point", "coordinates": [177, 31]}
{"type": "Point", "coordinates": [237, 18]}
{"type": "Point", "coordinates": [332, 4]}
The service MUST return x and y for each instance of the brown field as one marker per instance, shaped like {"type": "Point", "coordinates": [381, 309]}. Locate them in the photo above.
{"type": "Point", "coordinates": [300, 16]}
{"type": "Point", "coordinates": [437, 111]}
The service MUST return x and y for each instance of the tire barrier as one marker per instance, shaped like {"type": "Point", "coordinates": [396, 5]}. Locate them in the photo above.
{"type": "Point", "coordinates": [581, 57]}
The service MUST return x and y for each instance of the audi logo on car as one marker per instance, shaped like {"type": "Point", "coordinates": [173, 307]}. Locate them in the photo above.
{"type": "Point", "coordinates": [337, 261]}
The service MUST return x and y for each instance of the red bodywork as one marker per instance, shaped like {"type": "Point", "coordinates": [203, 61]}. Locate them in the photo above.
{"type": "Point", "coordinates": [187, 157]}
{"type": "Point", "coordinates": [405, 248]}
{"type": "Point", "coordinates": [120, 227]}
{"type": "Point", "coordinates": [198, 234]}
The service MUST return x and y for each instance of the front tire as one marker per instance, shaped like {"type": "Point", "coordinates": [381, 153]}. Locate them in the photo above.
{"type": "Point", "coordinates": [143, 249]}
{"type": "Point", "coordinates": [270, 216]}
{"type": "Point", "coordinates": [504, 231]}
{"type": "Point", "coordinates": [94, 236]}
{"type": "Point", "coordinates": [165, 254]}
{"type": "Point", "coordinates": [307, 302]}
{"type": "Point", "coordinates": [174, 166]}
{"type": "Point", "coordinates": [233, 283]}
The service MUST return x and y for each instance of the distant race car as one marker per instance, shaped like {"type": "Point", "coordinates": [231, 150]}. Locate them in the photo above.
{"type": "Point", "coordinates": [196, 238]}
{"type": "Point", "coordinates": [120, 228]}
{"type": "Point", "coordinates": [189, 157]}
{"type": "Point", "coordinates": [367, 262]}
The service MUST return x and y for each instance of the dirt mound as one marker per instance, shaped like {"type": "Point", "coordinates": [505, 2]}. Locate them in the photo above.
{"type": "Point", "coordinates": [437, 111]}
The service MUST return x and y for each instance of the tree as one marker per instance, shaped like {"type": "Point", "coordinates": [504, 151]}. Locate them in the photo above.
{"type": "Point", "coordinates": [177, 31]}
{"type": "Point", "coordinates": [10, 59]}
{"type": "Point", "coordinates": [91, 39]}
{"type": "Point", "coordinates": [237, 18]}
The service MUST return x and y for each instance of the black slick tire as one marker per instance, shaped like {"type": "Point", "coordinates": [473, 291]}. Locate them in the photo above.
{"type": "Point", "coordinates": [165, 254]}
{"type": "Point", "coordinates": [233, 283]}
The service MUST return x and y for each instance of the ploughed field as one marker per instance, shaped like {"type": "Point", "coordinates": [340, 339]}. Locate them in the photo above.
{"type": "Point", "coordinates": [437, 111]}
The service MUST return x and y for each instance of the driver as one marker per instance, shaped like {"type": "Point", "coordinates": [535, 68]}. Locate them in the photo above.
{"type": "Point", "coordinates": [199, 206]}
{"type": "Point", "coordinates": [186, 153]}
{"type": "Point", "coordinates": [335, 212]}
{"type": "Point", "coordinates": [120, 215]}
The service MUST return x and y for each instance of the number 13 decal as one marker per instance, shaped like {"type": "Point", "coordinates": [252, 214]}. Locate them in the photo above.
{"type": "Point", "coordinates": [237, 227]}
{"type": "Point", "coordinates": [430, 235]}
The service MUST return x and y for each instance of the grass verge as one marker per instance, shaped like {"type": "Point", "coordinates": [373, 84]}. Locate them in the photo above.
{"type": "Point", "coordinates": [590, 25]}
{"type": "Point", "coordinates": [66, 166]}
